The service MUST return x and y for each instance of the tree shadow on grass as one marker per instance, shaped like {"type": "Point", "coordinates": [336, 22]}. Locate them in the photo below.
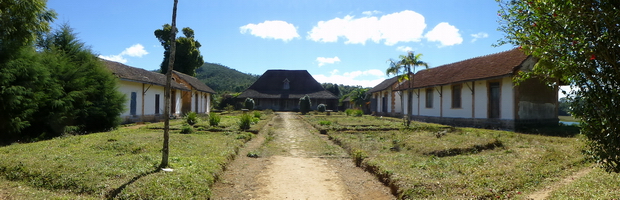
{"type": "Point", "coordinates": [112, 194]}
{"type": "Point", "coordinates": [558, 131]}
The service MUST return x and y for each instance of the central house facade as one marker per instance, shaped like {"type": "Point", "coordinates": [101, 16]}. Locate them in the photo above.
{"type": "Point", "coordinates": [280, 90]}
{"type": "Point", "coordinates": [478, 92]}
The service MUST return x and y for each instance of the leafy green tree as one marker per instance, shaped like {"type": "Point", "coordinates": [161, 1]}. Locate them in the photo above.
{"type": "Point", "coordinates": [187, 56]}
{"type": "Point", "coordinates": [83, 92]}
{"type": "Point", "coordinates": [304, 104]}
{"type": "Point", "coordinates": [248, 104]}
{"type": "Point", "coordinates": [404, 68]}
{"type": "Point", "coordinates": [359, 97]}
{"type": "Point", "coordinates": [21, 22]}
{"type": "Point", "coordinates": [576, 42]}
{"type": "Point", "coordinates": [23, 83]}
{"type": "Point", "coordinates": [564, 106]}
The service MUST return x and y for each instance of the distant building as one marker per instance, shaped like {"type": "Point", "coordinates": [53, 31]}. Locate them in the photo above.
{"type": "Point", "coordinates": [280, 90]}
{"type": "Point", "coordinates": [384, 100]}
{"type": "Point", "coordinates": [478, 92]}
{"type": "Point", "coordinates": [144, 91]}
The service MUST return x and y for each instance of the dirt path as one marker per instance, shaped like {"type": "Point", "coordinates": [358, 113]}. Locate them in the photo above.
{"type": "Point", "coordinates": [544, 193]}
{"type": "Point", "coordinates": [295, 162]}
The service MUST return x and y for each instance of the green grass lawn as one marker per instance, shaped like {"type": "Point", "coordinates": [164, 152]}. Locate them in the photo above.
{"type": "Point", "coordinates": [432, 161]}
{"type": "Point", "coordinates": [121, 163]}
{"type": "Point", "coordinates": [568, 119]}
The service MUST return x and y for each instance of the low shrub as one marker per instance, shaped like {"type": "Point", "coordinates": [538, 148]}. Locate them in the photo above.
{"type": "Point", "coordinates": [214, 119]}
{"type": "Point", "coordinates": [191, 118]}
{"type": "Point", "coordinates": [245, 121]}
{"type": "Point", "coordinates": [248, 104]}
{"type": "Point", "coordinates": [325, 123]}
{"type": "Point", "coordinates": [257, 114]}
{"type": "Point", "coordinates": [187, 129]}
{"type": "Point", "coordinates": [354, 112]}
{"type": "Point", "coordinates": [321, 107]}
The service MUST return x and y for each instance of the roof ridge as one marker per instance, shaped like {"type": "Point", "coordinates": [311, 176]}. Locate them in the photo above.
{"type": "Point", "coordinates": [477, 57]}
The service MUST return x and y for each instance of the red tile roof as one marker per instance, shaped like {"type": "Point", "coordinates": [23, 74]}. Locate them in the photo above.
{"type": "Point", "coordinates": [483, 67]}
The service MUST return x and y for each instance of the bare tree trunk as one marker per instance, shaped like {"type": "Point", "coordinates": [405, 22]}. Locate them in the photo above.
{"type": "Point", "coordinates": [166, 150]}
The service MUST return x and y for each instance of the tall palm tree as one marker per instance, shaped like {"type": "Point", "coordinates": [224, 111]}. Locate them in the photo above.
{"type": "Point", "coordinates": [404, 68]}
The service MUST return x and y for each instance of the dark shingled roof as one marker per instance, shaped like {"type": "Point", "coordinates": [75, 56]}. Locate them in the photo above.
{"type": "Point", "coordinates": [479, 68]}
{"type": "Point", "coordinates": [271, 85]}
{"type": "Point", "coordinates": [384, 85]}
{"type": "Point", "coordinates": [195, 83]}
{"type": "Point", "coordinates": [125, 72]}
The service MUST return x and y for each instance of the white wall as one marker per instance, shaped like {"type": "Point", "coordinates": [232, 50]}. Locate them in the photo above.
{"type": "Point", "coordinates": [126, 87]}
{"type": "Point", "coordinates": [178, 102]}
{"type": "Point", "coordinates": [149, 99]}
{"type": "Point", "coordinates": [481, 100]}
{"type": "Point", "coordinates": [397, 101]}
{"type": "Point", "coordinates": [465, 110]}
{"type": "Point", "coordinates": [507, 104]}
{"type": "Point", "coordinates": [435, 110]}
{"type": "Point", "coordinates": [204, 101]}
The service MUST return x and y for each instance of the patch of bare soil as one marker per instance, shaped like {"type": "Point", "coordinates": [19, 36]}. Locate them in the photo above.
{"type": "Point", "coordinates": [545, 192]}
{"type": "Point", "coordinates": [295, 162]}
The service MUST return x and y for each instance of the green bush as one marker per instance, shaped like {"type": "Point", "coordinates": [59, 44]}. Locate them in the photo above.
{"type": "Point", "coordinates": [325, 123]}
{"type": "Point", "coordinates": [191, 118]}
{"type": "Point", "coordinates": [304, 105]}
{"type": "Point", "coordinates": [214, 119]}
{"type": "Point", "coordinates": [187, 129]}
{"type": "Point", "coordinates": [245, 121]}
{"type": "Point", "coordinates": [248, 104]}
{"type": "Point", "coordinates": [348, 112]}
{"type": "Point", "coordinates": [321, 107]}
{"type": "Point", "coordinates": [358, 113]}
{"type": "Point", "coordinates": [257, 114]}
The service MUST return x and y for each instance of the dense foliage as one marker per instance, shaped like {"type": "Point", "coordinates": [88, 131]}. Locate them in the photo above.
{"type": "Point", "coordinates": [62, 88]}
{"type": "Point", "coordinates": [304, 104]}
{"type": "Point", "coordinates": [21, 22]}
{"type": "Point", "coordinates": [224, 79]}
{"type": "Point", "coordinates": [577, 43]}
{"type": "Point", "coordinates": [321, 108]}
{"type": "Point", "coordinates": [248, 104]}
{"type": "Point", "coordinates": [187, 55]}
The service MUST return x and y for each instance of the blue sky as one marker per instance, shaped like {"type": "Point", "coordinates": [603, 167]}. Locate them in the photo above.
{"type": "Point", "coordinates": [337, 41]}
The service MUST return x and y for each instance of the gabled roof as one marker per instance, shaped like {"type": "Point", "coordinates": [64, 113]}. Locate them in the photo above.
{"type": "Point", "coordinates": [272, 84]}
{"type": "Point", "coordinates": [485, 67]}
{"type": "Point", "coordinates": [125, 72]}
{"type": "Point", "coordinates": [194, 82]}
{"type": "Point", "coordinates": [384, 85]}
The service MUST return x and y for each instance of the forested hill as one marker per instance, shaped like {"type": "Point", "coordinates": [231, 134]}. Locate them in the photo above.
{"type": "Point", "coordinates": [222, 78]}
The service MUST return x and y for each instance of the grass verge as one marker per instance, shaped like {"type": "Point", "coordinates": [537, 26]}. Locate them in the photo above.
{"type": "Point", "coordinates": [429, 161]}
{"type": "Point", "coordinates": [122, 164]}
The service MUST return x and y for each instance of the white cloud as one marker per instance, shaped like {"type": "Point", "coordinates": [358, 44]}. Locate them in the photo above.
{"type": "Point", "coordinates": [368, 78]}
{"type": "Point", "coordinates": [479, 35]}
{"type": "Point", "coordinates": [369, 13]}
{"type": "Point", "coordinates": [279, 30]}
{"type": "Point", "coordinates": [444, 33]}
{"type": "Point", "coordinates": [322, 60]}
{"type": "Point", "coordinates": [404, 49]}
{"type": "Point", "coordinates": [405, 26]}
{"type": "Point", "coordinates": [136, 50]}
